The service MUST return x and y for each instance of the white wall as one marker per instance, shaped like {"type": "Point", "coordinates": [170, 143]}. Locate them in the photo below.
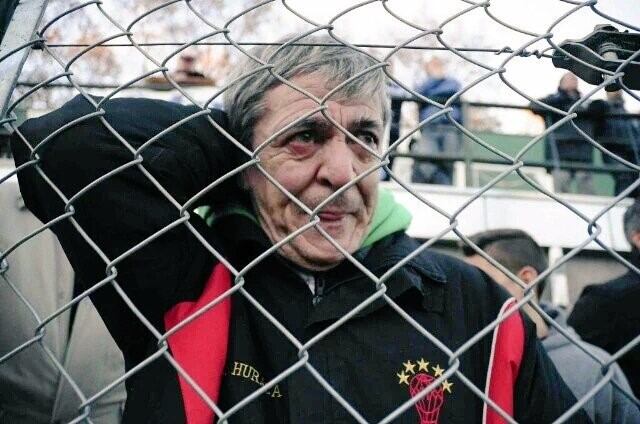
{"type": "Point", "coordinates": [548, 221]}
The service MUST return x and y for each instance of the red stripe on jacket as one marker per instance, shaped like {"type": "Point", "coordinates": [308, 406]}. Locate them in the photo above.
{"type": "Point", "coordinates": [200, 347]}
{"type": "Point", "coordinates": [506, 356]}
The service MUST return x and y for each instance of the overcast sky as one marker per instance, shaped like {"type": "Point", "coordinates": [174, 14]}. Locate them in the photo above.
{"type": "Point", "coordinates": [372, 24]}
{"type": "Point", "coordinates": [537, 77]}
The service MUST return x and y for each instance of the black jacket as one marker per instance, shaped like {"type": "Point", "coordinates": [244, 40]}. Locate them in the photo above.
{"type": "Point", "coordinates": [614, 129]}
{"type": "Point", "coordinates": [569, 143]}
{"type": "Point", "coordinates": [374, 361]}
{"type": "Point", "coordinates": [607, 315]}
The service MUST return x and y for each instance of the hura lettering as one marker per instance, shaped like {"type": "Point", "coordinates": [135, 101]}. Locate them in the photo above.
{"type": "Point", "coordinates": [246, 371]}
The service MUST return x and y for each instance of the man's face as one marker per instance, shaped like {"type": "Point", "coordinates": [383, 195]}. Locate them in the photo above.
{"type": "Point", "coordinates": [434, 68]}
{"type": "Point", "coordinates": [635, 239]}
{"type": "Point", "coordinates": [312, 160]}
{"type": "Point", "coordinates": [569, 82]}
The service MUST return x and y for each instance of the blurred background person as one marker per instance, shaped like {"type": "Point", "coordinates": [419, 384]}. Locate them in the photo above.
{"type": "Point", "coordinates": [187, 73]}
{"type": "Point", "coordinates": [619, 135]}
{"type": "Point", "coordinates": [32, 388]}
{"type": "Point", "coordinates": [608, 315]}
{"type": "Point", "coordinates": [565, 143]}
{"type": "Point", "coordinates": [439, 136]}
{"type": "Point", "coordinates": [518, 252]}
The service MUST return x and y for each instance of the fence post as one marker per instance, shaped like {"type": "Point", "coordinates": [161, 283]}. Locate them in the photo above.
{"type": "Point", "coordinates": [23, 25]}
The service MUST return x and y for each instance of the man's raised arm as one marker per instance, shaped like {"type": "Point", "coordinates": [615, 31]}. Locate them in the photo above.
{"type": "Point", "coordinates": [125, 209]}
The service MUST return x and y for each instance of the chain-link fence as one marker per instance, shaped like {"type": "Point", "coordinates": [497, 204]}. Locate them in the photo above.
{"type": "Point", "coordinates": [14, 49]}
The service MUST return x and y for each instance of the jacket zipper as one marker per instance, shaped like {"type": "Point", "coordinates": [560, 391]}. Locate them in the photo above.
{"type": "Point", "coordinates": [319, 290]}
{"type": "Point", "coordinates": [319, 281]}
{"type": "Point", "coordinates": [380, 266]}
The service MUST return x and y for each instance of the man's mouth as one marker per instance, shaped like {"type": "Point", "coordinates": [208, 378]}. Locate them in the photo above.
{"type": "Point", "coordinates": [331, 216]}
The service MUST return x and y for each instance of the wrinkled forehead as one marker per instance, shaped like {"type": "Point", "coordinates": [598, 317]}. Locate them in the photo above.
{"type": "Point", "coordinates": [306, 93]}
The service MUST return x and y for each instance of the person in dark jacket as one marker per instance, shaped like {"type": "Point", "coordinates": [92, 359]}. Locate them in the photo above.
{"type": "Point", "coordinates": [565, 143]}
{"type": "Point", "coordinates": [607, 315]}
{"type": "Point", "coordinates": [439, 135]}
{"type": "Point", "coordinates": [303, 335]}
{"type": "Point", "coordinates": [521, 255]}
{"type": "Point", "coordinates": [619, 135]}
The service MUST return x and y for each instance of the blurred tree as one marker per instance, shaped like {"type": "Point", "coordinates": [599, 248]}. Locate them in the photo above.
{"type": "Point", "coordinates": [179, 22]}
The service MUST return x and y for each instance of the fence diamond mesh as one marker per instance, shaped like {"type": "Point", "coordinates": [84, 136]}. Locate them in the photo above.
{"type": "Point", "coordinates": [125, 33]}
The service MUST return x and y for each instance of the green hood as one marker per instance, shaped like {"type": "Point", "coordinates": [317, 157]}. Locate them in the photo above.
{"type": "Point", "coordinates": [389, 217]}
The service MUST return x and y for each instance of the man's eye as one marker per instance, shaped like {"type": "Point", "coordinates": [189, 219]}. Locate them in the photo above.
{"type": "Point", "coordinates": [303, 137]}
{"type": "Point", "coordinates": [368, 138]}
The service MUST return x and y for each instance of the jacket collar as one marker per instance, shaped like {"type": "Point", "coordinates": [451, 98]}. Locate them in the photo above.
{"type": "Point", "coordinates": [244, 240]}
{"type": "Point", "coordinates": [406, 286]}
{"type": "Point", "coordinates": [421, 281]}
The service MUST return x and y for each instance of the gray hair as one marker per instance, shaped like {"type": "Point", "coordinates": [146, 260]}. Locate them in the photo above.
{"type": "Point", "coordinates": [631, 221]}
{"type": "Point", "coordinates": [243, 101]}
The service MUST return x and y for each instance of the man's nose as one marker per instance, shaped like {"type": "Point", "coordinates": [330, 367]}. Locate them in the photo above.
{"type": "Point", "coordinates": [338, 163]}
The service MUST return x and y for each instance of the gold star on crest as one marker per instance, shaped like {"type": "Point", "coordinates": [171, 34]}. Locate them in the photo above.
{"type": "Point", "coordinates": [423, 365]}
{"type": "Point", "coordinates": [446, 386]}
{"type": "Point", "coordinates": [404, 378]}
{"type": "Point", "coordinates": [409, 367]}
{"type": "Point", "coordinates": [437, 371]}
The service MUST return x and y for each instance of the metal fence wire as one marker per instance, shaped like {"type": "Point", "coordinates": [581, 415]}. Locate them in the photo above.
{"type": "Point", "coordinates": [127, 31]}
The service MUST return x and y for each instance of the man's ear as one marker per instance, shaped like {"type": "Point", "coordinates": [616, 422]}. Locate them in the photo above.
{"type": "Point", "coordinates": [527, 274]}
{"type": "Point", "coordinates": [635, 239]}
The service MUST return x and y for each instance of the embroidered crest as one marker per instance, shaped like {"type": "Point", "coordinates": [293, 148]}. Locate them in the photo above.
{"type": "Point", "coordinates": [419, 375]}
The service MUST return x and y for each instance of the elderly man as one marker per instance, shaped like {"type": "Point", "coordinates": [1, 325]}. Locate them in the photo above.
{"type": "Point", "coordinates": [519, 253]}
{"type": "Point", "coordinates": [291, 271]}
